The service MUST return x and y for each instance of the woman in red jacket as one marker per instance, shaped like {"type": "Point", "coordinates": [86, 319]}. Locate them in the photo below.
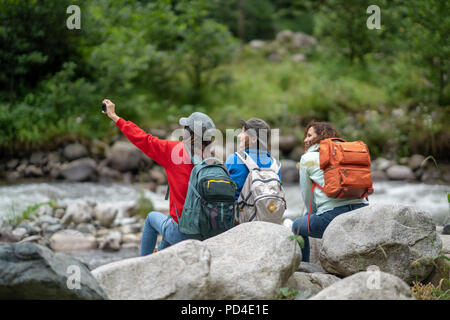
{"type": "Point", "coordinates": [175, 158]}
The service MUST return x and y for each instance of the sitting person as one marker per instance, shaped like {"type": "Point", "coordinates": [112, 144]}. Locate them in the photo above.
{"type": "Point", "coordinates": [175, 157]}
{"type": "Point", "coordinates": [253, 139]}
{"type": "Point", "coordinates": [323, 208]}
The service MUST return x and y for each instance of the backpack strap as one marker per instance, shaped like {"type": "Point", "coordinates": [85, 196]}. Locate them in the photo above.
{"type": "Point", "coordinates": [167, 193]}
{"type": "Point", "coordinates": [314, 185]}
{"type": "Point", "coordinates": [247, 160]}
{"type": "Point", "coordinates": [275, 166]}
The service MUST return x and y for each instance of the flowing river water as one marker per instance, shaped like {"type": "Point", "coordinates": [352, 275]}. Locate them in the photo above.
{"type": "Point", "coordinates": [15, 198]}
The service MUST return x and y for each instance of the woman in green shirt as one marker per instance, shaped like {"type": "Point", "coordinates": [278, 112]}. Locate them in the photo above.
{"type": "Point", "coordinates": [323, 208]}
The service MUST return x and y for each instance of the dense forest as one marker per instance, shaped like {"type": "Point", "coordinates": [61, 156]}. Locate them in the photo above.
{"type": "Point", "coordinates": [286, 61]}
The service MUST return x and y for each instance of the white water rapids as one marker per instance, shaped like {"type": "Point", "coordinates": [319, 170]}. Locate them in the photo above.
{"type": "Point", "coordinates": [15, 198]}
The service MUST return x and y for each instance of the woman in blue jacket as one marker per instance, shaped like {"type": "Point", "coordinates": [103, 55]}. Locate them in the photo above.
{"type": "Point", "coordinates": [253, 139]}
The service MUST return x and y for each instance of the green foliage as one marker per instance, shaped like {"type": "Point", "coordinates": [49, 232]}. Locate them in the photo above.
{"type": "Point", "coordinates": [299, 239]}
{"type": "Point", "coordinates": [145, 205]}
{"type": "Point", "coordinates": [29, 212]}
{"type": "Point", "coordinates": [427, 28]}
{"type": "Point", "coordinates": [287, 294]}
{"type": "Point", "coordinates": [159, 59]}
{"type": "Point", "coordinates": [258, 17]}
{"type": "Point", "coordinates": [31, 44]}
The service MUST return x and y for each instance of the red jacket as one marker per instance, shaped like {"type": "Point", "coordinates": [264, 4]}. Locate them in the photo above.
{"type": "Point", "coordinates": [171, 155]}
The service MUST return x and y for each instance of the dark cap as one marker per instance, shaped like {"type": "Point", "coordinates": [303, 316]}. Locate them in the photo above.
{"type": "Point", "coordinates": [260, 128]}
{"type": "Point", "coordinates": [256, 124]}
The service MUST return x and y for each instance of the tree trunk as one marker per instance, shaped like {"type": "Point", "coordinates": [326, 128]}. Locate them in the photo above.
{"type": "Point", "coordinates": [241, 20]}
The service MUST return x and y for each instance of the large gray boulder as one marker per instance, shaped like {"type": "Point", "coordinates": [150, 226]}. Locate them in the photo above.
{"type": "Point", "coordinates": [317, 280]}
{"type": "Point", "coordinates": [123, 156]}
{"type": "Point", "coordinates": [179, 272]}
{"type": "Point", "coordinates": [399, 239]}
{"type": "Point", "coordinates": [80, 170]}
{"type": "Point", "coordinates": [75, 151]}
{"type": "Point", "coordinates": [398, 172]}
{"type": "Point", "coordinates": [31, 271]}
{"type": "Point", "coordinates": [369, 285]}
{"type": "Point", "coordinates": [252, 261]}
{"type": "Point", "coordinates": [67, 240]}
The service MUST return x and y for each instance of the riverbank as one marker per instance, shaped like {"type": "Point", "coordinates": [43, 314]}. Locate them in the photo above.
{"type": "Point", "coordinates": [121, 161]}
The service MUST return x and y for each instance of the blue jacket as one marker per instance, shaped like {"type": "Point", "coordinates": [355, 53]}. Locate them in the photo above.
{"type": "Point", "coordinates": [238, 170]}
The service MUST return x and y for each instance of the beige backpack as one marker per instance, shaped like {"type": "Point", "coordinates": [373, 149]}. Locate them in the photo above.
{"type": "Point", "coordinates": [262, 197]}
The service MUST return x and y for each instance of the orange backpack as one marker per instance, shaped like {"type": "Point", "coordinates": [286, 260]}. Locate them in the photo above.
{"type": "Point", "coordinates": [346, 167]}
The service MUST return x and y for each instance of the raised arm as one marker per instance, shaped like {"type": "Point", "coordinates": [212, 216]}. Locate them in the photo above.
{"type": "Point", "coordinates": [157, 149]}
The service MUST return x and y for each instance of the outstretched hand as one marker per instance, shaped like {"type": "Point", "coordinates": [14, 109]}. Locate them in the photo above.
{"type": "Point", "coordinates": [110, 110]}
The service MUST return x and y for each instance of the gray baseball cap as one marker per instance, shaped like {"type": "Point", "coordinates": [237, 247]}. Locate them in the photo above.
{"type": "Point", "coordinates": [198, 118]}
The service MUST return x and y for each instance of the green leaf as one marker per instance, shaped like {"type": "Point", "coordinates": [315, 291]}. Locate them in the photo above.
{"type": "Point", "coordinates": [299, 239]}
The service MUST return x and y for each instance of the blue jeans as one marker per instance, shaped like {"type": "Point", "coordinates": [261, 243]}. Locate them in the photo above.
{"type": "Point", "coordinates": [158, 223]}
{"type": "Point", "coordinates": [318, 224]}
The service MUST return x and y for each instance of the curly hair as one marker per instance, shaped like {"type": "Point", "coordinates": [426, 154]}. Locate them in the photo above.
{"type": "Point", "coordinates": [324, 130]}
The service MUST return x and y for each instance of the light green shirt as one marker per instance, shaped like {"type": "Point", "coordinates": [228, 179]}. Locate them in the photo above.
{"type": "Point", "coordinates": [310, 170]}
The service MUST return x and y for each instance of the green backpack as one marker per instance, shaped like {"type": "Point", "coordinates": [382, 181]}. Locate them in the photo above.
{"type": "Point", "coordinates": [210, 206]}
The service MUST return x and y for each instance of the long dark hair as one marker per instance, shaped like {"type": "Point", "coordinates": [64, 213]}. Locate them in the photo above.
{"type": "Point", "coordinates": [324, 130]}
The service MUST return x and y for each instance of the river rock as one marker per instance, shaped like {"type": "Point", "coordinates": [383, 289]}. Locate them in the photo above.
{"type": "Point", "coordinates": [399, 239]}
{"type": "Point", "coordinates": [123, 156]}
{"type": "Point", "coordinates": [74, 151]}
{"type": "Point", "coordinates": [446, 229]}
{"type": "Point", "coordinates": [53, 228]}
{"type": "Point", "coordinates": [382, 164]}
{"type": "Point", "coordinates": [398, 172]}
{"type": "Point", "coordinates": [111, 242]}
{"type": "Point", "coordinates": [105, 214]}
{"type": "Point", "coordinates": [284, 36]}
{"type": "Point", "coordinates": [80, 170]}
{"type": "Point", "coordinates": [12, 176]}
{"type": "Point", "coordinates": [148, 278]}
{"type": "Point", "coordinates": [257, 44]}
{"type": "Point", "coordinates": [77, 212]}
{"type": "Point", "coordinates": [288, 143]}
{"type": "Point", "coordinates": [48, 219]}
{"type": "Point", "coordinates": [66, 240]}
{"type": "Point", "coordinates": [415, 161]}
{"type": "Point", "coordinates": [310, 268]}
{"type": "Point", "coordinates": [301, 40]}
{"type": "Point", "coordinates": [98, 148]}
{"type": "Point", "coordinates": [37, 158]}
{"type": "Point", "coordinates": [31, 271]}
{"type": "Point", "coordinates": [12, 164]}
{"type": "Point", "coordinates": [86, 228]}
{"type": "Point", "coordinates": [33, 171]}
{"type": "Point", "coordinates": [20, 233]}
{"type": "Point", "coordinates": [445, 238]}
{"type": "Point", "coordinates": [251, 261]}
{"type": "Point", "coordinates": [379, 175]}
{"type": "Point", "coordinates": [318, 281]}
{"type": "Point", "coordinates": [369, 285]}
{"type": "Point", "coordinates": [309, 284]}
{"type": "Point", "coordinates": [315, 245]}
{"type": "Point", "coordinates": [289, 171]}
